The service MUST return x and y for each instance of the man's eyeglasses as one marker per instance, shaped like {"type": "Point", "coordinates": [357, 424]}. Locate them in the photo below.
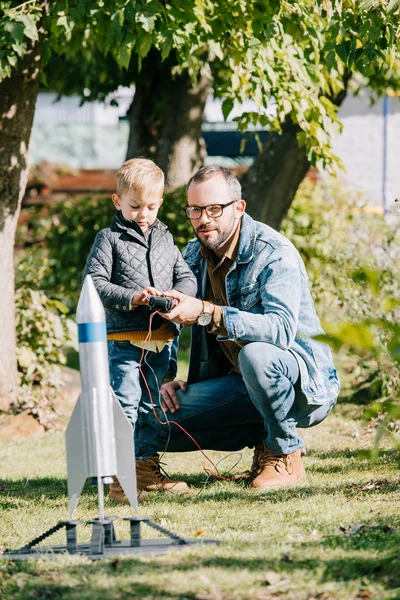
{"type": "Point", "coordinates": [212, 210]}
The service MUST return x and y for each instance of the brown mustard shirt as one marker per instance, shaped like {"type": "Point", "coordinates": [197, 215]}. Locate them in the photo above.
{"type": "Point", "coordinates": [216, 294]}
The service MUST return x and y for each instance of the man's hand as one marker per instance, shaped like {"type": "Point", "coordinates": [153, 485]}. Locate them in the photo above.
{"type": "Point", "coordinates": [142, 298]}
{"type": "Point", "coordinates": [186, 311]}
{"type": "Point", "coordinates": [168, 391]}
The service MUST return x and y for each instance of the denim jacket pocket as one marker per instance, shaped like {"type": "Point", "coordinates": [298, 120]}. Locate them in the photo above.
{"type": "Point", "coordinates": [248, 296]}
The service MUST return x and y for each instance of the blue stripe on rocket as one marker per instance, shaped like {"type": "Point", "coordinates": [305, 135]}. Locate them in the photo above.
{"type": "Point", "coordinates": [92, 332]}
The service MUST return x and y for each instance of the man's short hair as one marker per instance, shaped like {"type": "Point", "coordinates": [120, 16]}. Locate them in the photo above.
{"type": "Point", "coordinates": [207, 172]}
{"type": "Point", "coordinates": [141, 175]}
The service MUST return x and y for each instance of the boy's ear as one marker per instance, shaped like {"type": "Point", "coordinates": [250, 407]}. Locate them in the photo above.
{"type": "Point", "coordinates": [116, 201]}
{"type": "Point", "coordinates": [161, 201]}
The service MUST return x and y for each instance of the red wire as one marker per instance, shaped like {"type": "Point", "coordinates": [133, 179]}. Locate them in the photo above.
{"type": "Point", "coordinates": [216, 475]}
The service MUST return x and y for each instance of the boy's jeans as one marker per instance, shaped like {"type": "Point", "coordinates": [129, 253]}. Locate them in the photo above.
{"type": "Point", "coordinates": [131, 391]}
{"type": "Point", "coordinates": [264, 403]}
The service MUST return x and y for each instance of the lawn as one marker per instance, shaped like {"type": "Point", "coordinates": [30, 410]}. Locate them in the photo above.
{"type": "Point", "coordinates": [336, 536]}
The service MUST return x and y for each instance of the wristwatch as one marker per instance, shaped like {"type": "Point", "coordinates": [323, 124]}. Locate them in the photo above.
{"type": "Point", "coordinates": [205, 317]}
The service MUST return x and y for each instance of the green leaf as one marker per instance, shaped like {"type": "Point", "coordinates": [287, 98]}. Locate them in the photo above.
{"type": "Point", "coordinates": [329, 46]}
{"type": "Point", "coordinates": [30, 29]}
{"type": "Point", "coordinates": [390, 303]}
{"type": "Point", "coordinates": [341, 51]}
{"type": "Point", "coordinates": [144, 47]}
{"type": "Point", "coordinates": [227, 107]}
{"type": "Point", "coordinates": [330, 60]}
{"type": "Point", "coordinates": [258, 142]}
{"type": "Point", "coordinates": [355, 335]}
{"type": "Point", "coordinates": [370, 277]}
{"type": "Point", "coordinates": [123, 56]}
{"type": "Point", "coordinates": [60, 306]}
{"type": "Point", "coordinates": [394, 344]}
{"type": "Point", "coordinates": [13, 60]}
{"type": "Point", "coordinates": [16, 30]}
{"type": "Point", "coordinates": [331, 340]}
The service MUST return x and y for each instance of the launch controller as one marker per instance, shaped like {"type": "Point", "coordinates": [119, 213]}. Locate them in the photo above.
{"type": "Point", "coordinates": [161, 303]}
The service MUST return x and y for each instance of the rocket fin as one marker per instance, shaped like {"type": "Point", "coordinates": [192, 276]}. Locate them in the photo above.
{"type": "Point", "coordinates": [125, 453]}
{"type": "Point", "coordinates": [76, 458]}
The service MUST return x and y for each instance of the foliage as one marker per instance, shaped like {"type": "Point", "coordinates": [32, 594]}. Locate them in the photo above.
{"type": "Point", "coordinates": [70, 233]}
{"type": "Point", "coordinates": [43, 331]}
{"type": "Point", "coordinates": [377, 340]}
{"type": "Point", "coordinates": [172, 214]}
{"type": "Point", "coordinates": [300, 54]}
{"type": "Point", "coordinates": [353, 261]}
{"type": "Point", "coordinates": [19, 23]}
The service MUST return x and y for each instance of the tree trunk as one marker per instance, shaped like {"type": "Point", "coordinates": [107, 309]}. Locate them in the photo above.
{"type": "Point", "coordinates": [271, 183]}
{"type": "Point", "coordinates": [17, 104]}
{"type": "Point", "coordinates": [165, 120]}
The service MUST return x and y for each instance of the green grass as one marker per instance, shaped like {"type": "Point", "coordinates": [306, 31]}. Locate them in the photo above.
{"type": "Point", "coordinates": [294, 544]}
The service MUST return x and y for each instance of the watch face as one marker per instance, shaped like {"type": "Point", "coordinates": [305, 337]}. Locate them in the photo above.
{"type": "Point", "coordinates": [204, 319]}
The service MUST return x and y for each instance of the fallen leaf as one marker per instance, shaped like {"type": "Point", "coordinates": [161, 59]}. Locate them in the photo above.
{"type": "Point", "coordinates": [199, 532]}
{"type": "Point", "coordinates": [363, 595]}
{"type": "Point", "coordinates": [373, 485]}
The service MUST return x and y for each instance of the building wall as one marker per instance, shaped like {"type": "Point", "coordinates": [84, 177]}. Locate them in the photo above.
{"type": "Point", "coordinates": [90, 136]}
{"type": "Point", "coordinates": [361, 147]}
{"type": "Point", "coordinates": [93, 136]}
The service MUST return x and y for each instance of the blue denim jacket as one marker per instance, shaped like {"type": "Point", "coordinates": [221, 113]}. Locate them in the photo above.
{"type": "Point", "coordinates": [268, 301]}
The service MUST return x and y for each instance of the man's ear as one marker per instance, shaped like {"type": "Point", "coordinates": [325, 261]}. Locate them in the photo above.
{"type": "Point", "coordinates": [240, 207]}
{"type": "Point", "coordinates": [116, 201]}
{"type": "Point", "coordinates": [161, 201]}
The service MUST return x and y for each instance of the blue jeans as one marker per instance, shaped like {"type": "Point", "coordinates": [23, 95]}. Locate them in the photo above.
{"type": "Point", "coordinates": [130, 389]}
{"type": "Point", "coordinates": [265, 403]}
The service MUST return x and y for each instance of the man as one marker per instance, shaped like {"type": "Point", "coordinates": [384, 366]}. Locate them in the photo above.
{"type": "Point", "coordinates": [255, 372]}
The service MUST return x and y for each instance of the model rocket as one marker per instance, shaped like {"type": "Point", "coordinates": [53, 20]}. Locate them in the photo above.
{"type": "Point", "coordinates": [99, 437]}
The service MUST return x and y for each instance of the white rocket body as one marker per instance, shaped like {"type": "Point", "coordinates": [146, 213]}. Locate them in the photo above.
{"type": "Point", "coordinates": [99, 437]}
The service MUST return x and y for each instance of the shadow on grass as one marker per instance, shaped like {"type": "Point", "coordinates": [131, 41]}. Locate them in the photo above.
{"type": "Point", "coordinates": [350, 460]}
{"type": "Point", "coordinates": [15, 492]}
{"type": "Point", "coordinates": [369, 556]}
{"type": "Point", "coordinates": [40, 488]}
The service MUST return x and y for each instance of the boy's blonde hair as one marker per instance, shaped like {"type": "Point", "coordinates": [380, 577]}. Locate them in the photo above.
{"type": "Point", "coordinates": [141, 175]}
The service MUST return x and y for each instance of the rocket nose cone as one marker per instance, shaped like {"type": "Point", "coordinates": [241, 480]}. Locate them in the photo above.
{"type": "Point", "coordinates": [90, 308]}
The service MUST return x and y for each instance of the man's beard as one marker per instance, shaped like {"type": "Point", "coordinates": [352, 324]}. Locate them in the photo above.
{"type": "Point", "coordinates": [221, 238]}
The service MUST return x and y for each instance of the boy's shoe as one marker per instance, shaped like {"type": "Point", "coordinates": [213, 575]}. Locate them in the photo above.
{"type": "Point", "coordinates": [117, 493]}
{"type": "Point", "coordinates": [278, 470]}
{"type": "Point", "coordinates": [150, 478]}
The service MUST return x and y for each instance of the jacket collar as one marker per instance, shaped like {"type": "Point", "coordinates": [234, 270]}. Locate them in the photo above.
{"type": "Point", "coordinates": [133, 228]}
{"type": "Point", "coordinates": [247, 240]}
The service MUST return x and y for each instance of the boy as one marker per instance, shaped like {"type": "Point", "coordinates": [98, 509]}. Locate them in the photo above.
{"type": "Point", "coordinates": [131, 259]}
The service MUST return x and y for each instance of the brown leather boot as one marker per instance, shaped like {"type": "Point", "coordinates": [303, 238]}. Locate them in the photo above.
{"type": "Point", "coordinates": [150, 478]}
{"type": "Point", "coordinates": [278, 470]}
{"type": "Point", "coordinates": [255, 468]}
{"type": "Point", "coordinates": [117, 493]}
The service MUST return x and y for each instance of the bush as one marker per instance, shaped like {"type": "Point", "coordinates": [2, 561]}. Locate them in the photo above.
{"type": "Point", "coordinates": [43, 331]}
{"type": "Point", "coordinates": [353, 261]}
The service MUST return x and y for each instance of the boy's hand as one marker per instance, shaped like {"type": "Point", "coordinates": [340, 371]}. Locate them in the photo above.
{"type": "Point", "coordinates": [142, 298]}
